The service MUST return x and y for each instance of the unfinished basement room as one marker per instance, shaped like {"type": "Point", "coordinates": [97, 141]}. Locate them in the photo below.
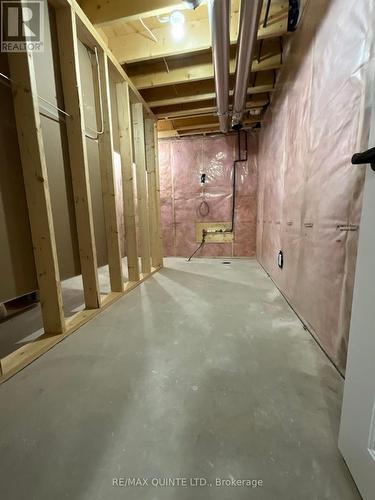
{"type": "Point", "coordinates": [187, 197]}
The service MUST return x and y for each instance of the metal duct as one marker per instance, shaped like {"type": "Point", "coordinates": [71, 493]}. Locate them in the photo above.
{"type": "Point", "coordinates": [249, 22]}
{"type": "Point", "coordinates": [219, 13]}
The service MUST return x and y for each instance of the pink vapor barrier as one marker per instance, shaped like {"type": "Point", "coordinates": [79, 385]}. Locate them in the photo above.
{"type": "Point", "coordinates": [309, 198]}
{"type": "Point", "coordinates": [181, 163]}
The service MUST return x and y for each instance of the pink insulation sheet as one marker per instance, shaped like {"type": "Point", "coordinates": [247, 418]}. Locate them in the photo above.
{"type": "Point", "coordinates": [182, 162]}
{"type": "Point", "coordinates": [309, 198]}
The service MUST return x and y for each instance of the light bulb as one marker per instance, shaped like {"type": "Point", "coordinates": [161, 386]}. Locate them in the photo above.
{"type": "Point", "coordinates": [178, 31]}
{"type": "Point", "coordinates": [177, 20]}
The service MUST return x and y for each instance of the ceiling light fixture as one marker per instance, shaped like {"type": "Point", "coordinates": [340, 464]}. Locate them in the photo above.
{"type": "Point", "coordinates": [177, 21]}
{"type": "Point", "coordinates": [192, 4]}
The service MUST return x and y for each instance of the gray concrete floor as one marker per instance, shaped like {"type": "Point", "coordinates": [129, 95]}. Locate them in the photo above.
{"type": "Point", "coordinates": [16, 328]}
{"type": "Point", "coordinates": [202, 371]}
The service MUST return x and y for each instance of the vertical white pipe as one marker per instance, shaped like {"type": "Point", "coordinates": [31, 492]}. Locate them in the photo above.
{"type": "Point", "coordinates": [219, 14]}
{"type": "Point", "coordinates": [249, 22]}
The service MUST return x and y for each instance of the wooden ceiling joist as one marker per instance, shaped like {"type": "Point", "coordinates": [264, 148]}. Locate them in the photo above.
{"type": "Point", "coordinates": [176, 77]}
{"type": "Point", "coordinates": [140, 46]}
{"type": "Point", "coordinates": [267, 56]}
{"type": "Point", "coordinates": [204, 107]}
{"type": "Point", "coordinates": [197, 121]}
{"type": "Point", "coordinates": [214, 129]}
{"type": "Point", "coordinates": [202, 91]}
{"type": "Point", "coordinates": [109, 11]}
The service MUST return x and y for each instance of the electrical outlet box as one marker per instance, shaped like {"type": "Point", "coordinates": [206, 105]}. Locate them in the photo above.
{"type": "Point", "coordinates": [215, 232]}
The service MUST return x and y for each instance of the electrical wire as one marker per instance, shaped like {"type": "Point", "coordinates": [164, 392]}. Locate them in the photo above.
{"type": "Point", "coordinates": [148, 30]}
{"type": "Point", "coordinates": [238, 160]}
{"type": "Point", "coordinates": [206, 210]}
{"type": "Point", "coordinates": [204, 234]}
{"type": "Point", "coordinates": [166, 65]}
{"type": "Point", "coordinates": [49, 115]}
{"type": "Point", "coordinates": [101, 131]}
{"type": "Point", "coordinates": [62, 111]}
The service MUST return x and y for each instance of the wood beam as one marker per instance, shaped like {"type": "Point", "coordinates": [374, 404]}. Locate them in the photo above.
{"type": "Point", "coordinates": [197, 121]}
{"type": "Point", "coordinates": [34, 169]}
{"type": "Point", "coordinates": [199, 131]}
{"type": "Point", "coordinates": [199, 112]}
{"type": "Point", "coordinates": [106, 162]}
{"type": "Point", "coordinates": [153, 194]}
{"type": "Point", "coordinates": [29, 352]}
{"type": "Point", "coordinates": [126, 152]}
{"type": "Point", "coordinates": [140, 168]}
{"type": "Point", "coordinates": [211, 124]}
{"type": "Point", "coordinates": [211, 110]}
{"type": "Point", "coordinates": [71, 83]}
{"type": "Point", "coordinates": [208, 107]}
{"type": "Point", "coordinates": [164, 134]}
{"type": "Point", "coordinates": [158, 210]}
{"type": "Point", "coordinates": [194, 97]}
{"type": "Point", "coordinates": [199, 67]}
{"type": "Point", "coordinates": [107, 11]}
{"type": "Point", "coordinates": [139, 46]}
{"type": "Point", "coordinates": [91, 37]}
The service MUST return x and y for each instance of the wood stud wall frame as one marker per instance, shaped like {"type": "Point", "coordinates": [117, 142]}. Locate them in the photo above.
{"type": "Point", "coordinates": [137, 125]}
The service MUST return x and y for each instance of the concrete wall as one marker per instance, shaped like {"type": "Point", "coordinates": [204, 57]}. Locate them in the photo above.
{"type": "Point", "coordinates": [309, 193]}
{"type": "Point", "coordinates": [182, 161]}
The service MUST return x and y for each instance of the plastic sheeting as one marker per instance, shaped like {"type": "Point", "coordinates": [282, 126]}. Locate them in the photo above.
{"type": "Point", "coordinates": [182, 162]}
{"type": "Point", "coordinates": [309, 193]}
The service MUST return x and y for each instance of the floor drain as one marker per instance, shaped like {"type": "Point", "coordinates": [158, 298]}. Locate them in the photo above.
{"type": "Point", "coordinates": [226, 262]}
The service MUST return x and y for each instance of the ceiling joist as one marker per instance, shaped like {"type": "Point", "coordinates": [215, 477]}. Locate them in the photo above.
{"type": "Point", "coordinates": [104, 12]}
{"type": "Point", "coordinates": [192, 92]}
{"type": "Point", "coordinates": [199, 67]}
{"type": "Point", "coordinates": [204, 107]}
{"type": "Point", "coordinates": [140, 46]}
{"type": "Point", "coordinates": [193, 123]}
{"type": "Point", "coordinates": [176, 77]}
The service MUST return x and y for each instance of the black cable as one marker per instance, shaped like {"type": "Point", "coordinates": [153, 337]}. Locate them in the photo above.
{"type": "Point", "coordinates": [238, 160]}
{"type": "Point", "coordinates": [234, 185]}
{"type": "Point", "coordinates": [267, 14]}
{"type": "Point", "coordinates": [204, 233]}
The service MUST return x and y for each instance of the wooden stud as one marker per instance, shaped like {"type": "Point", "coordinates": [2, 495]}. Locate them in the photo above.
{"type": "Point", "coordinates": [26, 354]}
{"type": "Point", "coordinates": [34, 168]}
{"type": "Point", "coordinates": [140, 162]}
{"type": "Point", "coordinates": [157, 193]}
{"type": "Point", "coordinates": [126, 152]}
{"type": "Point", "coordinates": [36, 184]}
{"type": "Point", "coordinates": [91, 38]}
{"type": "Point", "coordinates": [152, 191]}
{"type": "Point", "coordinates": [106, 159]}
{"type": "Point", "coordinates": [71, 82]}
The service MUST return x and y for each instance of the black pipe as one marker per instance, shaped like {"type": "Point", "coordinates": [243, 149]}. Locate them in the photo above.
{"type": "Point", "coordinates": [267, 14]}
{"type": "Point", "coordinates": [239, 159]}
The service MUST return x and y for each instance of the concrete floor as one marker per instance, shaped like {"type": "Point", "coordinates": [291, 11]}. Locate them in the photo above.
{"type": "Point", "coordinates": [202, 371]}
{"type": "Point", "coordinates": [16, 329]}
